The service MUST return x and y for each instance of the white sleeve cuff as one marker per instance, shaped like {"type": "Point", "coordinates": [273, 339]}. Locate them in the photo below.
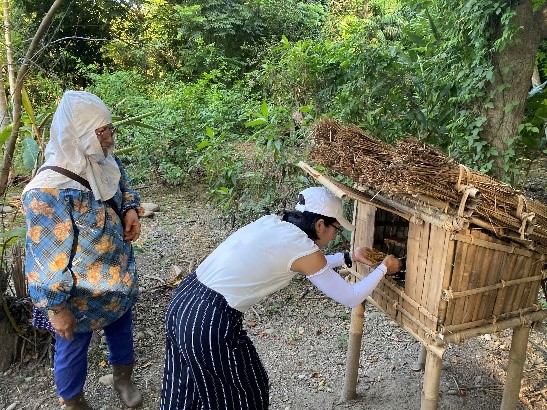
{"type": "Point", "coordinates": [334, 286]}
{"type": "Point", "coordinates": [335, 260]}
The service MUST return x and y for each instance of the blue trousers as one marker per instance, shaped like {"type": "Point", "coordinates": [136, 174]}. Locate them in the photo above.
{"type": "Point", "coordinates": [70, 362]}
{"type": "Point", "coordinates": [210, 362]}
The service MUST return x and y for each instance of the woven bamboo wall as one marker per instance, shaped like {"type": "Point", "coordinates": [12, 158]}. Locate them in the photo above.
{"type": "Point", "coordinates": [454, 282]}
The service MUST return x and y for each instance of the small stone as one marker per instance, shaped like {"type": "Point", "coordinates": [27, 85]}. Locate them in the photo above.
{"type": "Point", "coordinates": [150, 206]}
{"type": "Point", "coordinates": [6, 209]}
{"type": "Point", "coordinates": [106, 380]}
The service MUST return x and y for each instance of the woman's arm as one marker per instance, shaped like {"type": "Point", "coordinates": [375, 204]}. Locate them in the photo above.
{"type": "Point", "coordinates": [334, 286]}
{"type": "Point", "coordinates": [49, 242]}
{"type": "Point", "coordinates": [130, 198]}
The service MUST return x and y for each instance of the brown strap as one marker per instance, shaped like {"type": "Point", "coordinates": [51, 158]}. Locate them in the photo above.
{"type": "Point", "coordinates": [69, 174]}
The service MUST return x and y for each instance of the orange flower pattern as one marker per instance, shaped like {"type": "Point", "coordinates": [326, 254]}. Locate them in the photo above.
{"type": "Point", "coordinates": [93, 272]}
{"type": "Point", "coordinates": [34, 233]}
{"type": "Point", "coordinates": [63, 230]}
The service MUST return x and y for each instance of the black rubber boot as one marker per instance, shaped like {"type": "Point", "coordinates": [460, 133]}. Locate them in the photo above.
{"type": "Point", "coordinates": [78, 402]}
{"type": "Point", "coordinates": [124, 385]}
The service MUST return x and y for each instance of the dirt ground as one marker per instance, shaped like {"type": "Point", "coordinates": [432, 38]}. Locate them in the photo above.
{"type": "Point", "coordinates": [301, 336]}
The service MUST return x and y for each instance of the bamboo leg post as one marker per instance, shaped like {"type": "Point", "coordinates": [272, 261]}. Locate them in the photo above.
{"type": "Point", "coordinates": [432, 380]}
{"type": "Point", "coordinates": [517, 356]}
{"type": "Point", "coordinates": [349, 390]}
{"type": "Point", "coordinates": [420, 363]}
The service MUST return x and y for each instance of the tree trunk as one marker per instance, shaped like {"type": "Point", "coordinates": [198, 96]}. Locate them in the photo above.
{"type": "Point", "coordinates": [9, 149]}
{"type": "Point", "coordinates": [8, 343]}
{"type": "Point", "coordinates": [9, 50]}
{"type": "Point", "coordinates": [514, 67]}
{"type": "Point", "coordinates": [4, 107]}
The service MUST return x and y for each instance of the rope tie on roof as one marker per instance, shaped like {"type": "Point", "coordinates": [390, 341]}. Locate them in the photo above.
{"type": "Point", "coordinates": [527, 218]}
{"type": "Point", "coordinates": [463, 170]}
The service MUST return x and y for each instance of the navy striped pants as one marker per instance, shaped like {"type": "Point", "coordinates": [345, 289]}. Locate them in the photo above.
{"type": "Point", "coordinates": [210, 362]}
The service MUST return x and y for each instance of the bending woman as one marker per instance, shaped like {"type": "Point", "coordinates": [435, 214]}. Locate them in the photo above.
{"type": "Point", "coordinates": [210, 362]}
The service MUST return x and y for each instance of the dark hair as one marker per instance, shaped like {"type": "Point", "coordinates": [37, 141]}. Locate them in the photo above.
{"type": "Point", "coordinates": [306, 221]}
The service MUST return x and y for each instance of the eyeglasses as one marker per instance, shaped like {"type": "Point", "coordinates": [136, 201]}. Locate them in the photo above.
{"type": "Point", "coordinates": [339, 229]}
{"type": "Point", "coordinates": [112, 130]}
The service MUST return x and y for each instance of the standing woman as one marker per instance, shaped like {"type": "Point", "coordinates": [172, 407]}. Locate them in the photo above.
{"type": "Point", "coordinates": [81, 217]}
{"type": "Point", "coordinates": [210, 362]}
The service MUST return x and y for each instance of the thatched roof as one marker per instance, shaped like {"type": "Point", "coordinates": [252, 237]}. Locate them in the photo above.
{"type": "Point", "coordinates": [423, 179]}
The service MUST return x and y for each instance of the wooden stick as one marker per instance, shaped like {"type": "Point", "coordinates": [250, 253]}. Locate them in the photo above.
{"type": "Point", "coordinates": [488, 243]}
{"type": "Point", "coordinates": [432, 378]}
{"type": "Point", "coordinates": [462, 336]}
{"type": "Point", "coordinates": [355, 337]}
{"type": "Point", "coordinates": [449, 295]}
{"type": "Point", "coordinates": [489, 321]}
{"type": "Point", "coordinates": [517, 356]}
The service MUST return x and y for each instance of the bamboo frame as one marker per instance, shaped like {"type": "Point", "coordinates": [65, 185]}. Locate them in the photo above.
{"type": "Point", "coordinates": [464, 335]}
{"type": "Point", "coordinates": [448, 294]}
{"type": "Point", "coordinates": [460, 283]}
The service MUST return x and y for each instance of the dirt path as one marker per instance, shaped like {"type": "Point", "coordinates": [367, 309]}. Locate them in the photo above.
{"type": "Point", "coordinates": [301, 336]}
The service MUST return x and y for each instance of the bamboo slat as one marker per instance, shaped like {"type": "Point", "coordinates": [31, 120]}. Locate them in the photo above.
{"type": "Point", "coordinates": [517, 299]}
{"type": "Point", "coordinates": [447, 277]}
{"type": "Point", "coordinates": [455, 284]}
{"type": "Point", "coordinates": [487, 242]}
{"type": "Point", "coordinates": [531, 289]}
{"type": "Point", "coordinates": [438, 261]}
{"type": "Point", "coordinates": [467, 270]}
{"type": "Point", "coordinates": [473, 283]}
{"type": "Point", "coordinates": [488, 299]}
{"type": "Point", "coordinates": [508, 273]}
{"type": "Point", "coordinates": [413, 253]}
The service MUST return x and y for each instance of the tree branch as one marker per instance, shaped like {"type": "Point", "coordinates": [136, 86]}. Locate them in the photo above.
{"type": "Point", "coordinates": [9, 148]}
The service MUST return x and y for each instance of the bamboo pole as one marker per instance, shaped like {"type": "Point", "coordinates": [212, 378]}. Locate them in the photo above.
{"type": "Point", "coordinates": [517, 356]}
{"type": "Point", "coordinates": [354, 348]}
{"type": "Point", "coordinates": [432, 378]}
{"type": "Point", "coordinates": [363, 235]}
{"type": "Point", "coordinates": [420, 362]}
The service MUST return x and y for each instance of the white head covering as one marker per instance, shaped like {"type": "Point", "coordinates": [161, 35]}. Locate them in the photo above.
{"type": "Point", "coordinates": [320, 200]}
{"type": "Point", "coordinates": [73, 145]}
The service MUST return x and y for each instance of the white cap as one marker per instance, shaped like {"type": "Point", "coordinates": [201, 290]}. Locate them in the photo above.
{"type": "Point", "coordinates": [320, 200]}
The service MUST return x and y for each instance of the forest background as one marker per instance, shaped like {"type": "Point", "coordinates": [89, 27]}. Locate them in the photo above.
{"type": "Point", "coordinates": [223, 93]}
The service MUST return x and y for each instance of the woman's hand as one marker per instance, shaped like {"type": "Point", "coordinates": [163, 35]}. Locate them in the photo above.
{"type": "Point", "coordinates": [63, 323]}
{"type": "Point", "coordinates": [132, 226]}
{"type": "Point", "coordinates": [392, 264]}
{"type": "Point", "coordinates": [361, 254]}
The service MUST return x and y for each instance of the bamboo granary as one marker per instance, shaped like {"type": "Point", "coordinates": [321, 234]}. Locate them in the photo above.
{"type": "Point", "coordinates": [474, 249]}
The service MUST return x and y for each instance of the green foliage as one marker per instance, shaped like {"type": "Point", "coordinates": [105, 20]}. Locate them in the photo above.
{"type": "Point", "coordinates": [79, 30]}
{"type": "Point", "coordinates": [191, 38]}
{"type": "Point", "coordinates": [31, 149]}
{"type": "Point", "coordinates": [419, 71]}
